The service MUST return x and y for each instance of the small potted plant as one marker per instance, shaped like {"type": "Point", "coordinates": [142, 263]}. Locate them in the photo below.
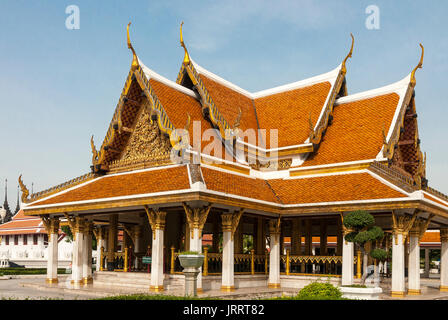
{"type": "Point", "coordinates": [364, 232]}
{"type": "Point", "coordinates": [191, 259]}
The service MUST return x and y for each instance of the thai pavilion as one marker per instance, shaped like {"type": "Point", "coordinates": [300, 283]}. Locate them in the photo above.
{"type": "Point", "coordinates": [202, 156]}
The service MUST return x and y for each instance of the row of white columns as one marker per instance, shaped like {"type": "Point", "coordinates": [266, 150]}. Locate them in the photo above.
{"type": "Point", "coordinates": [82, 251]}
{"type": "Point", "coordinates": [398, 288]}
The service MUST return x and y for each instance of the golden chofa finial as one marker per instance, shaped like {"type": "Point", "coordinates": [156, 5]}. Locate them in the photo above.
{"type": "Point", "coordinates": [23, 188]}
{"type": "Point", "coordinates": [420, 64]}
{"type": "Point", "coordinates": [187, 56]}
{"type": "Point", "coordinates": [344, 69]}
{"type": "Point", "coordinates": [134, 58]}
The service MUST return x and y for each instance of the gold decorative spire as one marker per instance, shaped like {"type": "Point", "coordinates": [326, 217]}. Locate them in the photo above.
{"type": "Point", "coordinates": [24, 189]}
{"type": "Point", "coordinates": [134, 58]}
{"type": "Point", "coordinates": [94, 151]}
{"type": "Point", "coordinates": [187, 56]}
{"type": "Point", "coordinates": [344, 69]}
{"type": "Point", "coordinates": [419, 66]}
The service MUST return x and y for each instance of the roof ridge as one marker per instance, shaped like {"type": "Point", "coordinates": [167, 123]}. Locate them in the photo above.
{"type": "Point", "coordinates": [273, 191]}
{"type": "Point", "coordinates": [394, 87]}
{"type": "Point", "coordinates": [270, 91]}
{"type": "Point", "coordinates": [151, 74]}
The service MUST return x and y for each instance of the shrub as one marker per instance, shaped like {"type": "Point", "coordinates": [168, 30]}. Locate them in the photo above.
{"type": "Point", "coordinates": [319, 291]}
{"type": "Point", "coordinates": [379, 254]}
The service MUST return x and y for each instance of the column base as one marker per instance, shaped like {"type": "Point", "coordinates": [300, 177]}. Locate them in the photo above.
{"type": "Point", "coordinates": [414, 292]}
{"type": "Point", "coordinates": [398, 294]}
{"type": "Point", "coordinates": [51, 280]}
{"type": "Point", "coordinates": [76, 282]}
{"type": "Point", "coordinates": [200, 290]}
{"type": "Point", "coordinates": [156, 288]}
{"type": "Point", "coordinates": [443, 288]}
{"type": "Point", "coordinates": [273, 285]}
{"type": "Point", "coordinates": [227, 288]}
{"type": "Point", "coordinates": [87, 280]}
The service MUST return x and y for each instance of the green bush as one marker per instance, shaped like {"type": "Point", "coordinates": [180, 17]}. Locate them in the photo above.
{"type": "Point", "coordinates": [319, 291]}
{"type": "Point", "coordinates": [358, 220]}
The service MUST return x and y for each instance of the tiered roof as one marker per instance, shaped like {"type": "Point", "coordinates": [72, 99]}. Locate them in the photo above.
{"type": "Point", "coordinates": [336, 152]}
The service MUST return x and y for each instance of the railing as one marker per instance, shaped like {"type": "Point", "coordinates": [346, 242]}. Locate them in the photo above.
{"type": "Point", "coordinates": [322, 265]}
{"type": "Point", "coordinates": [121, 261]}
{"type": "Point", "coordinates": [243, 263]}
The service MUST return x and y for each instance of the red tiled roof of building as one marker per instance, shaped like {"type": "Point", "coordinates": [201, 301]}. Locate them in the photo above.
{"type": "Point", "coordinates": [289, 112]}
{"type": "Point", "coordinates": [332, 188]}
{"type": "Point", "coordinates": [150, 181]}
{"type": "Point", "coordinates": [356, 132]}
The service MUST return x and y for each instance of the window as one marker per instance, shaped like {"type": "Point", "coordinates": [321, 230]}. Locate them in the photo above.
{"type": "Point", "coordinates": [35, 239]}
{"type": "Point", "coordinates": [7, 241]}
{"type": "Point", "coordinates": [25, 239]}
{"type": "Point", "coordinates": [16, 239]}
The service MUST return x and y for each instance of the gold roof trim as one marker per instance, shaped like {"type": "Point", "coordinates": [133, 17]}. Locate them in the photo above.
{"type": "Point", "coordinates": [187, 56]}
{"type": "Point", "coordinates": [419, 66]}
{"type": "Point", "coordinates": [134, 58]}
{"type": "Point", "coordinates": [344, 69]}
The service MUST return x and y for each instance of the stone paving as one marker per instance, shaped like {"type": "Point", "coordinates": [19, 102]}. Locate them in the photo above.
{"type": "Point", "coordinates": [36, 288]}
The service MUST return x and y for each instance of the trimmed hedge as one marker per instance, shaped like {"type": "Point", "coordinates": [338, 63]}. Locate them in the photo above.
{"type": "Point", "coordinates": [152, 297]}
{"type": "Point", "coordinates": [25, 271]}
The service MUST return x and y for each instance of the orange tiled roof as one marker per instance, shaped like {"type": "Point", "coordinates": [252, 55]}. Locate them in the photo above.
{"type": "Point", "coordinates": [158, 180]}
{"type": "Point", "coordinates": [21, 224]}
{"type": "Point", "coordinates": [343, 187]}
{"type": "Point", "coordinates": [431, 237]}
{"type": "Point", "coordinates": [229, 101]}
{"type": "Point", "coordinates": [178, 106]}
{"type": "Point", "coordinates": [356, 131]}
{"type": "Point", "coordinates": [434, 199]}
{"type": "Point", "coordinates": [289, 112]}
{"type": "Point", "coordinates": [237, 185]}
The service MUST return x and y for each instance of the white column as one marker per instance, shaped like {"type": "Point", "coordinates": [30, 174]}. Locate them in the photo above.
{"type": "Point", "coordinates": [52, 260]}
{"type": "Point", "coordinates": [444, 260]}
{"type": "Point", "coordinates": [398, 283]}
{"type": "Point", "coordinates": [78, 244]}
{"type": "Point", "coordinates": [274, 261]}
{"type": "Point", "coordinates": [196, 245]}
{"type": "Point", "coordinates": [87, 255]}
{"type": "Point", "coordinates": [228, 281]}
{"type": "Point", "coordinates": [414, 264]}
{"type": "Point", "coordinates": [157, 275]}
{"type": "Point", "coordinates": [274, 254]}
{"type": "Point", "coordinates": [348, 258]}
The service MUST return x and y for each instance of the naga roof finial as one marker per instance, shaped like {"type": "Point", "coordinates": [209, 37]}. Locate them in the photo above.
{"type": "Point", "coordinates": [344, 69]}
{"type": "Point", "coordinates": [419, 66]}
{"type": "Point", "coordinates": [25, 191]}
{"type": "Point", "coordinates": [187, 56]}
{"type": "Point", "coordinates": [134, 58]}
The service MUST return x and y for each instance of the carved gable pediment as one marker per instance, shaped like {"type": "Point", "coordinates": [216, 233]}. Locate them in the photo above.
{"type": "Point", "coordinates": [146, 146]}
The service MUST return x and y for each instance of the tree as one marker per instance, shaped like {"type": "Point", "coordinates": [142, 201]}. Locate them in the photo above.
{"type": "Point", "coordinates": [362, 231]}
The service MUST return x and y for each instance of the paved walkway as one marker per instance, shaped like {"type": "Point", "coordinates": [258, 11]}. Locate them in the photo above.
{"type": "Point", "coordinates": [36, 288]}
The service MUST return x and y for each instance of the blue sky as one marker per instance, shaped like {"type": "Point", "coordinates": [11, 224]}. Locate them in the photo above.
{"type": "Point", "coordinates": [60, 86]}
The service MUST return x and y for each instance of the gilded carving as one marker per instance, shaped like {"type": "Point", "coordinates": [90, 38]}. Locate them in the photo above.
{"type": "Point", "coordinates": [402, 225]}
{"type": "Point", "coordinates": [275, 226]}
{"type": "Point", "coordinates": [196, 217]}
{"type": "Point", "coordinates": [444, 235]}
{"type": "Point", "coordinates": [420, 226]}
{"type": "Point", "coordinates": [156, 220]}
{"type": "Point", "coordinates": [230, 221]}
{"type": "Point", "coordinates": [146, 143]}
{"type": "Point", "coordinates": [51, 225]}
{"type": "Point", "coordinates": [25, 191]}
